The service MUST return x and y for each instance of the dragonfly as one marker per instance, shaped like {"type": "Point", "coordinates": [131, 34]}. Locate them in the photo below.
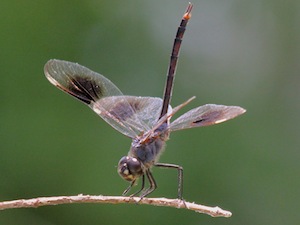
{"type": "Point", "coordinates": [146, 120]}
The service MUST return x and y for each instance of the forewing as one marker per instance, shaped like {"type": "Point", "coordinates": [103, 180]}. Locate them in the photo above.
{"type": "Point", "coordinates": [206, 115]}
{"type": "Point", "coordinates": [122, 113]}
{"type": "Point", "coordinates": [140, 117]}
{"type": "Point", "coordinates": [79, 81]}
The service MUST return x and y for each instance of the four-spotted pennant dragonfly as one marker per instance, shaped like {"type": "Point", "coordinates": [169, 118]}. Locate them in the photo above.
{"type": "Point", "coordinates": [146, 120]}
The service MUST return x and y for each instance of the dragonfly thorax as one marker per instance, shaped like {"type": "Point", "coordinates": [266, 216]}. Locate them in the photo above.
{"type": "Point", "coordinates": [147, 151]}
{"type": "Point", "coordinates": [144, 152]}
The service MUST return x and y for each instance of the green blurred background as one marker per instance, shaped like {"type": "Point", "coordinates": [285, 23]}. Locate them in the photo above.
{"type": "Point", "coordinates": [235, 52]}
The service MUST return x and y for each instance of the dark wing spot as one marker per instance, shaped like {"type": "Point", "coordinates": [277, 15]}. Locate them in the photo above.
{"type": "Point", "coordinates": [198, 121]}
{"type": "Point", "coordinates": [84, 89]}
{"type": "Point", "coordinates": [208, 118]}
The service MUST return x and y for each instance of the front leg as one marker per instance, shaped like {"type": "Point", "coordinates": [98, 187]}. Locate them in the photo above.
{"type": "Point", "coordinates": [131, 185]}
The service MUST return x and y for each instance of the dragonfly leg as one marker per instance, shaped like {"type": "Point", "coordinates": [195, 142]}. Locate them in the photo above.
{"type": "Point", "coordinates": [131, 185]}
{"type": "Point", "coordinates": [152, 186]}
{"type": "Point", "coordinates": [180, 175]}
{"type": "Point", "coordinates": [142, 187]}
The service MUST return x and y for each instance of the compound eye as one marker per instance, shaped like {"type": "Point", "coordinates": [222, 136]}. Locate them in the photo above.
{"type": "Point", "coordinates": [129, 168]}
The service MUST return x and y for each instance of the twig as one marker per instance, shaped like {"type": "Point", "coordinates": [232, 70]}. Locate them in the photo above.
{"type": "Point", "coordinates": [176, 203]}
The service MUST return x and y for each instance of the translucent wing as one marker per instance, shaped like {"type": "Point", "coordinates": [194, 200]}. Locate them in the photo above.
{"type": "Point", "coordinates": [123, 113]}
{"type": "Point", "coordinates": [79, 81]}
{"type": "Point", "coordinates": [115, 111]}
{"type": "Point", "coordinates": [206, 115]}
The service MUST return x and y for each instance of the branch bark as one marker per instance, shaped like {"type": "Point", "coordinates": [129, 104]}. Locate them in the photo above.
{"type": "Point", "coordinates": [58, 200]}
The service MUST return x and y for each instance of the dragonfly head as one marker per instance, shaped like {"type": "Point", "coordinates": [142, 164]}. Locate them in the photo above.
{"type": "Point", "coordinates": [129, 168]}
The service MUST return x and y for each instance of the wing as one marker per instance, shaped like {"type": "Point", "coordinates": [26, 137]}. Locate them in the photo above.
{"type": "Point", "coordinates": [121, 112]}
{"type": "Point", "coordinates": [140, 117]}
{"type": "Point", "coordinates": [206, 115]}
{"type": "Point", "coordinates": [79, 81]}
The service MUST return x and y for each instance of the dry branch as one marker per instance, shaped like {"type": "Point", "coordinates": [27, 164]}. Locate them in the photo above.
{"type": "Point", "coordinates": [176, 203]}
